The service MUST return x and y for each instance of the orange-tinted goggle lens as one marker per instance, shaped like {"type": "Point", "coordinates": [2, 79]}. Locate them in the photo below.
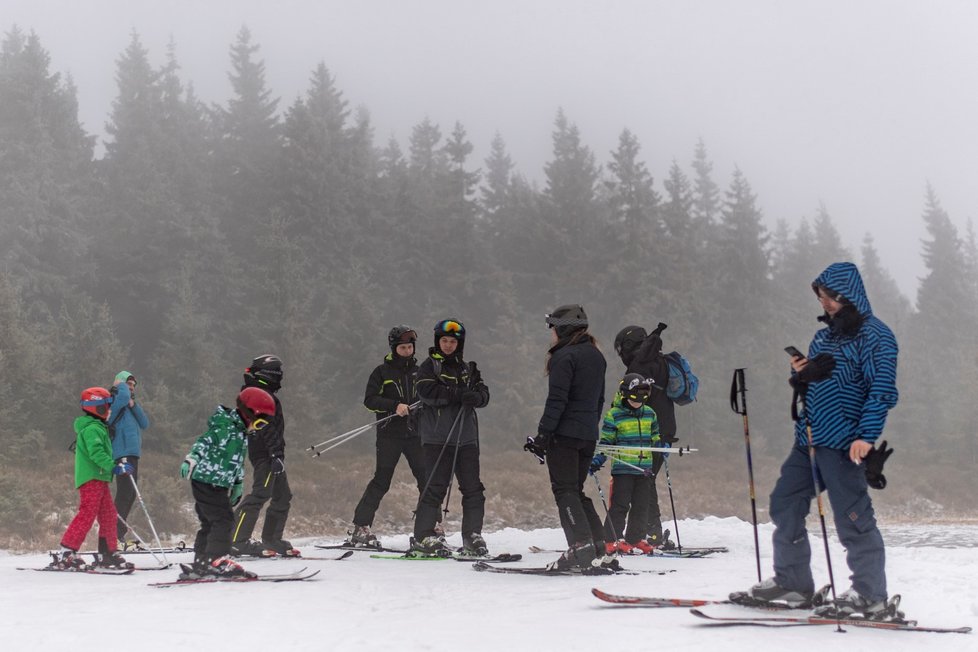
{"type": "Point", "coordinates": [451, 326]}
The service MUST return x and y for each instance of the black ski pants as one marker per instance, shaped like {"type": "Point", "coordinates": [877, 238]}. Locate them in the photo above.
{"type": "Point", "coordinates": [125, 494]}
{"type": "Point", "coordinates": [654, 513]}
{"type": "Point", "coordinates": [629, 499]}
{"type": "Point", "coordinates": [389, 451]}
{"type": "Point", "coordinates": [466, 462]}
{"type": "Point", "coordinates": [213, 506]}
{"type": "Point", "coordinates": [265, 486]}
{"type": "Point", "coordinates": [568, 461]}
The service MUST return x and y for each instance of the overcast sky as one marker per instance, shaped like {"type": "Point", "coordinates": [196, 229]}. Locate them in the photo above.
{"type": "Point", "coordinates": [857, 104]}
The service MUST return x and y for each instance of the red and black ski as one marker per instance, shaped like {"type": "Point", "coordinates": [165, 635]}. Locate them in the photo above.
{"type": "Point", "coordinates": [298, 576]}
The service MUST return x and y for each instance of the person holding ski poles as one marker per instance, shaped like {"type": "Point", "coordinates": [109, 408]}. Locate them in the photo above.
{"type": "Point", "coordinates": [128, 420]}
{"type": "Point", "coordinates": [215, 469]}
{"type": "Point", "coordinates": [641, 353]}
{"type": "Point", "coordinates": [629, 422]}
{"type": "Point", "coordinates": [391, 389]}
{"type": "Point", "coordinates": [568, 432]}
{"type": "Point", "coordinates": [266, 450]}
{"type": "Point", "coordinates": [848, 382]}
{"type": "Point", "coordinates": [94, 468]}
{"type": "Point", "coordinates": [451, 392]}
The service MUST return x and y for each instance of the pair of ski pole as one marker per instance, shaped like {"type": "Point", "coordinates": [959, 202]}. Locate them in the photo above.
{"type": "Point", "coordinates": [142, 504]}
{"type": "Point", "coordinates": [353, 434]}
{"type": "Point", "coordinates": [738, 402]}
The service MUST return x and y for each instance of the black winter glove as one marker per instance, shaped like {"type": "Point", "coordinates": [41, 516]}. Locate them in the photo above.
{"type": "Point", "coordinates": [278, 465]}
{"type": "Point", "coordinates": [539, 445]}
{"type": "Point", "coordinates": [818, 368]}
{"type": "Point", "coordinates": [471, 398]}
{"type": "Point", "coordinates": [874, 461]}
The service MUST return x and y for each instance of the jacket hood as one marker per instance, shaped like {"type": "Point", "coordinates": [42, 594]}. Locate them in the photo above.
{"type": "Point", "coordinates": [844, 278]}
{"type": "Point", "coordinates": [84, 421]}
{"type": "Point", "coordinates": [123, 376]}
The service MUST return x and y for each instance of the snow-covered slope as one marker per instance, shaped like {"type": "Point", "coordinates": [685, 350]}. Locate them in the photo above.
{"type": "Point", "coordinates": [370, 604]}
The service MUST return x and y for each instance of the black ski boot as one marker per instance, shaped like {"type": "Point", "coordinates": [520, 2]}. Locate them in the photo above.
{"type": "Point", "coordinates": [474, 545]}
{"type": "Point", "coordinates": [579, 555]}
{"type": "Point", "coordinates": [433, 546]}
{"type": "Point", "coordinates": [281, 547]}
{"type": "Point", "coordinates": [251, 548]}
{"type": "Point", "coordinates": [362, 537]}
{"type": "Point", "coordinates": [769, 592]}
{"type": "Point", "coordinates": [114, 560]}
{"type": "Point", "coordinates": [67, 560]}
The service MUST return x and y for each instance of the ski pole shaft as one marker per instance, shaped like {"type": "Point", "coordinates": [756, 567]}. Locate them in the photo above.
{"type": "Point", "coordinates": [607, 513]}
{"type": "Point", "coordinates": [617, 458]}
{"type": "Point", "coordinates": [152, 527]}
{"type": "Point", "coordinates": [818, 496]}
{"type": "Point", "coordinates": [672, 504]}
{"type": "Point", "coordinates": [359, 430]}
{"type": "Point", "coordinates": [682, 450]}
{"type": "Point", "coordinates": [738, 403]}
{"type": "Point", "coordinates": [434, 468]}
{"type": "Point", "coordinates": [348, 437]}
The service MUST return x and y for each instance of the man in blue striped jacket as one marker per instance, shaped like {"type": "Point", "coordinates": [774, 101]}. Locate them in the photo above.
{"type": "Point", "coordinates": [848, 382]}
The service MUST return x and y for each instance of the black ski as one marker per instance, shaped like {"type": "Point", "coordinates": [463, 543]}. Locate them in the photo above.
{"type": "Point", "coordinates": [249, 558]}
{"type": "Point", "coordinates": [687, 553]}
{"type": "Point", "coordinates": [794, 621]}
{"type": "Point", "coordinates": [457, 556]}
{"type": "Point", "coordinates": [297, 576]}
{"type": "Point", "coordinates": [543, 570]}
{"type": "Point", "coordinates": [347, 546]}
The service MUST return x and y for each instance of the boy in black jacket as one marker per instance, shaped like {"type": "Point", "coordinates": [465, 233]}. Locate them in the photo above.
{"type": "Point", "coordinates": [391, 390]}
{"type": "Point", "coordinates": [266, 450]}
{"type": "Point", "coordinates": [451, 392]}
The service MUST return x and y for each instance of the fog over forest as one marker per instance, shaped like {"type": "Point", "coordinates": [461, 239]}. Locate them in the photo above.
{"type": "Point", "coordinates": [218, 208]}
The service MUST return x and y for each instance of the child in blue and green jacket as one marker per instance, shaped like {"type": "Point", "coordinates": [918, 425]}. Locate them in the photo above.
{"type": "Point", "coordinates": [629, 422]}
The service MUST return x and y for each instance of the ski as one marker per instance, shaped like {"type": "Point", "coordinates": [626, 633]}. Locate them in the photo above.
{"type": "Point", "coordinates": [250, 558]}
{"type": "Point", "coordinates": [90, 570]}
{"type": "Point", "coordinates": [790, 621]}
{"type": "Point", "coordinates": [642, 601]}
{"type": "Point", "coordinates": [687, 553]}
{"type": "Point", "coordinates": [457, 556]}
{"type": "Point", "coordinates": [347, 546]}
{"type": "Point", "coordinates": [543, 570]}
{"type": "Point", "coordinates": [297, 576]}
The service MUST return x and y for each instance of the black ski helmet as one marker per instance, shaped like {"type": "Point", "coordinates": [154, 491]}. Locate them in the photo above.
{"type": "Point", "coordinates": [628, 340]}
{"type": "Point", "coordinates": [635, 387]}
{"type": "Point", "coordinates": [265, 371]}
{"type": "Point", "coordinates": [401, 334]}
{"type": "Point", "coordinates": [567, 319]}
{"type": "Point", "coordinates": [450, 328]}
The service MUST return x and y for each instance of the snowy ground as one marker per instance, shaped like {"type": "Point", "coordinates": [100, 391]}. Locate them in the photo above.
{"type": "Point", "coordinates": [369, 604]}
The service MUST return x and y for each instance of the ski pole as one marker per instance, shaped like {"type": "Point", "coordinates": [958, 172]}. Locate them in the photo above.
{"type": "Point", "coordinates": [458, 438]}
{"type": "Point", "coordinates": [141, 544]}
{"type": "Point", "coordinates": [739, 387]}
{"type": "Point", "coordinates": [800, 397]}
{"type": "Point", "coordinates": [617, 457]}
{"type": "Point", "coordinates": [607, 513]}
{"type": "Point", "coordinates": [434, 468]}
{"type": "Point", "coordinates": [672, 503]}
{"type": "Point", "coordinates": [139, 497]}
{"type": "Point", "coordinates": [350, 434]}
{"type": "Point", "coordinates": [604, 448]}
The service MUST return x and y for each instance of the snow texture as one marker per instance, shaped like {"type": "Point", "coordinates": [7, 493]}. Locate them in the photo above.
{"type": "Point", "coordinates": [372, 604]}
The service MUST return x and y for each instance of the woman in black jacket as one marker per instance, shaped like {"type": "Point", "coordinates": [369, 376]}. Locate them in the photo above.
{"type": "Point", "coordinates": [568, 430]}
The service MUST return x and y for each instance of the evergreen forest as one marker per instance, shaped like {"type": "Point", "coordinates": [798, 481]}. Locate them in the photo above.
{"type": "Point", "coordinates": [206, 234]}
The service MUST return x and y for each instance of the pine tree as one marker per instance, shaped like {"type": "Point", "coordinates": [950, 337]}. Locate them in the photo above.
{"type": "Point", "coordinates": [45, 173]}
{"type": "Point", "coordinates": [706, 194]}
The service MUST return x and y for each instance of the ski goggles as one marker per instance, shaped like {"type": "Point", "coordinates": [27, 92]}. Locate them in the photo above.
{"type": "Point", "coordinates": [96, 402]}
{"type": "Point", "coordinates": [450, 327]}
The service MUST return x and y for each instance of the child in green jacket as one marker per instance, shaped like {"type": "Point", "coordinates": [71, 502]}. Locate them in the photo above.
{"type": "Point", "coordinates": [632, 423]}
{"type": "Point", "coordinates": [215, 468]}
{"type": "Point", "coordinates": [94, 468]}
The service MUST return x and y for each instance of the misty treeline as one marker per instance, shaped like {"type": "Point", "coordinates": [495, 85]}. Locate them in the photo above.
{"type": "Point", "coordinates": [210, 233]}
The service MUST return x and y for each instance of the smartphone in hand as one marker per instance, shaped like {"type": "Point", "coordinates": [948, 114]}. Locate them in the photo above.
{"type": "Point", "coordinates": [793, 352]}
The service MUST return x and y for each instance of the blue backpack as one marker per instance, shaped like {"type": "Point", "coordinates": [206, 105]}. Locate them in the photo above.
{"type": "Point", "coordinates": [683, 383]}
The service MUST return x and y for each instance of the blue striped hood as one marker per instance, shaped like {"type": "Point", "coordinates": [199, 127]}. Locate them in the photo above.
{"type": "Point", "coordinates": [844, 278]}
